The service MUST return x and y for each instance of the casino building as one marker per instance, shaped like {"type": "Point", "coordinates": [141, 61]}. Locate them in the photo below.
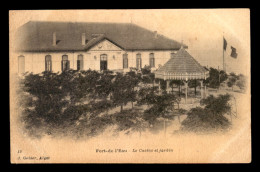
{"type": "Point", "coordinates": [59, 46]}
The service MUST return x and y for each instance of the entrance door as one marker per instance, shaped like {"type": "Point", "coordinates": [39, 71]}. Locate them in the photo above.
{"type": "Point", "coordinates": [21, 64]}
{"type": "Point", "coordinates": [103, 62]}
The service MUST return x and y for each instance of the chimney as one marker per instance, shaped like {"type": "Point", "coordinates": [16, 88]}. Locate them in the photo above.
{"type": "Point", "coordinates": [155, 34]}
{"type": "Point", "coordinates": [54, 38]}
{"type": "Point", "coordinates": [83, 39]}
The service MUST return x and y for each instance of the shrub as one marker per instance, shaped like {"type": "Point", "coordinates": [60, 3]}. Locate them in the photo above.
{"type": "Point", "coordinates": [215, 78]}
{"type": "Point", "coordinates": [210, 117]}
{"type": "Point", "coordinates": [241, 82]}
{"type": "Point", "coordinates": [160, 106]}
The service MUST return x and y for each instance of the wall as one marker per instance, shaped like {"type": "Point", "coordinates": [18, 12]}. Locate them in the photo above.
{"type": "Point", "coordinates": [161, 57]}
{"type": "Point", "coordinates": [35, 61]}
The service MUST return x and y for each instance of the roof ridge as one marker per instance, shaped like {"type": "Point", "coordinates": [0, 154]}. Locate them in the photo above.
{"type": "Point", "coordinates": [128, 36]}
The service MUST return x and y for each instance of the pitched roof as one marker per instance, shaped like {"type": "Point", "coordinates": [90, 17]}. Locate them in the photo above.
{"type": "Point", "coordinates": [38, 36]}
{"type": "Point", "coordinates": [181, 66]}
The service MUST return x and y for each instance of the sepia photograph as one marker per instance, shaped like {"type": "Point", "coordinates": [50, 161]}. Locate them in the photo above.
{"type": "Point", "coordinates": [162, 86]}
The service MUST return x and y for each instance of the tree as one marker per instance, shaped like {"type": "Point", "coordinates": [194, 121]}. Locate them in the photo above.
{"type": "Point", "coordinates": [48, 100]}
{"type": "Point", "coordinates": [223, 76]}
{"type": "Point", "coordinates": [215, 78]}
{"type": "Point", "coordinates": [241, 82]}
{"type": "Point", "coordinates": [232, 80]}
{"type": "Point", "coordinates": [210, 117]}
{"type": "Point", "coordinates": [131, 121]}
{"type": "Point", "coordinates": [194, 83]}
{"type": "Point", "coordinates": [123, 91]}
{"type": "Point", "coordinates": [56, 101]}
{"type": "Point", "coordinates": [104, 85]}
{"type": "Point", "coordinates": [159, 105]}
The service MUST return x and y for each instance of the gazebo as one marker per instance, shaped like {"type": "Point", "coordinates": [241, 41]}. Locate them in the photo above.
{"type": "Point", "coordinates": [182, 66]}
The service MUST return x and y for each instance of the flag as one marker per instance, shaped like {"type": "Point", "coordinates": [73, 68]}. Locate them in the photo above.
{"type": "Point", "coordinates": [224, 44]}
{"type": "Point", "coordinates": [233, 52]}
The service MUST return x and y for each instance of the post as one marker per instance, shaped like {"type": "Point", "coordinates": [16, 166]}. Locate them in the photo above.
{"type": "Point", "coordinates": [179, 90]}
{"type": "Point", "coordinates": [186, 90]}
{"type": "Point", "coordinates": [201, 89]}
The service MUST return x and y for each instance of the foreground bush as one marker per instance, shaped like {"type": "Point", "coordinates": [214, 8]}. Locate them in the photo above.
{"type": "Point", "coordinates": [73, 101]}
{"type": "Point", "coordinates": [209, 118]}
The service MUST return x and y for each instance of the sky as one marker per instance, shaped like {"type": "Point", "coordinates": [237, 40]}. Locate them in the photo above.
{"type": "Point", "coordinates": [202, 30]}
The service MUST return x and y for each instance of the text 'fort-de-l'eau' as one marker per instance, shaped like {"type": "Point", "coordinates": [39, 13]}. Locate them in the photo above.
{"type": "Point", "coordinates": [133, 150]}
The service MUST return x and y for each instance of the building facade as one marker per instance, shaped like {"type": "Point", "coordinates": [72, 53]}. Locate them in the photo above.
{"type": "Point", "coordinates": [59, 46]}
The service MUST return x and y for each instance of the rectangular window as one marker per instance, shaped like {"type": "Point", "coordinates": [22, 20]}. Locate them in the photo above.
{"type": "Point", "coordinates": [152, 64]}
{"type": "Point", "coordinates": [138, 61]}
{"type": "Point", "coordinates": [48, 66]}
{"type": "Point", "coordinates": [48, 63]}
{"type": "Point", "coordinates": [125, 61]}
{"type": "Point", "coordinates": [80, 62]}
{"type": "Point", "coordinates": [65, 63]}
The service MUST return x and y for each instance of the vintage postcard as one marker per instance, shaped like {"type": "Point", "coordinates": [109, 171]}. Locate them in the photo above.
{"type": "Point", "coordinates": [130, 86]}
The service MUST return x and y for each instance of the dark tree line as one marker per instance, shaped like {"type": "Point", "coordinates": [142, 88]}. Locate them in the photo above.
{"type": "Point", "coordinates": [80, 102]}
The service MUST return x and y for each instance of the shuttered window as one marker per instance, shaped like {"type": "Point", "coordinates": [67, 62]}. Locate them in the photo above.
{"type": "Point", "coordinates": [125, 61]}
{"type": "Point", "coordinates": [80, 62]}
{"type": "Point", "coordinates": [48, 63]}
{"type": "Point", "coordinates": [65, 63]}
{"type": "Point", "coordinates": [151, 59]}
{"type": "Point", "coordinates": [138, 61]}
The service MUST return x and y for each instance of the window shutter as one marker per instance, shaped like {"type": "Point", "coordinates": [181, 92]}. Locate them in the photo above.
{"type": "Point", "coordinates": [137, 63]}
{"type": "Point", "coordinates": [81, 64]}
{"type": "Point", "coordinates": [68, 65]}
{"type": "Point", "coordinates": [45, 65]}
{"type": "Point", "coordinates": [62, 65]}
{"type": "Point", "coordinates": [140, 63]}
{"type": "Point", "coordinates": [78, 64]}
{"type": "Point", "coordinates": [123, 62]}
{"type": "Point", "coordinates": [50, 66]}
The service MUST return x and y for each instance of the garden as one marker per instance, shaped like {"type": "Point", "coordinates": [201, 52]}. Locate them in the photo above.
{"type": "Point", "coordinates": [83, 104]}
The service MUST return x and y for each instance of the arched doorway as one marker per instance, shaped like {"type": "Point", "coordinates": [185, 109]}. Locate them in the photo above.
{"type": "Point", "coordinates": [103, 62]}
